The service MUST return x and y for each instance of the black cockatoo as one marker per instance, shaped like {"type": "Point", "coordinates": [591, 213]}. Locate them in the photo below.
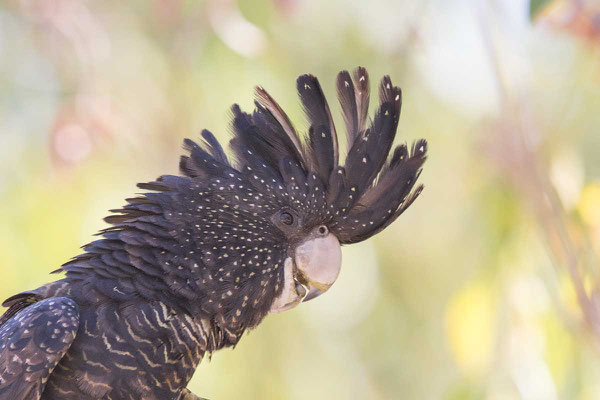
{"type": "Point", "coordinates": [186, 268]}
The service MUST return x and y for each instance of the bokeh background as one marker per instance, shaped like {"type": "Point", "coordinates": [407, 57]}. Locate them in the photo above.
{"type": "Point", "coordinates": [486, 288]}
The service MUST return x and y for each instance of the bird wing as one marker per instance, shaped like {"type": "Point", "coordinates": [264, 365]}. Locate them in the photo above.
{"type": "Point", "coordinates": [32, 342]}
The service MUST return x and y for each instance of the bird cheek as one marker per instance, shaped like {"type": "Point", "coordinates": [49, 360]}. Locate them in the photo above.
{"type": "Point", "coordinates": [293, 291]}
{"type": "Point", "coordinates": [319, 261]}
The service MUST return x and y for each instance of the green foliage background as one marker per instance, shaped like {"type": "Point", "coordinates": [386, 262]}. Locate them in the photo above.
{"type": "Point", "coordinates": [467, 296]}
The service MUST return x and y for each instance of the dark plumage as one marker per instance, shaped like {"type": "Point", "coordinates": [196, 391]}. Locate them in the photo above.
{"type": "Point", "coordinates": [186, 268]}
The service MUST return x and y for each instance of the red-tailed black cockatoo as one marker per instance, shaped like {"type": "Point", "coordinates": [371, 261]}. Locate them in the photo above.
{"type": "Point", "coordinates": [186, 268]}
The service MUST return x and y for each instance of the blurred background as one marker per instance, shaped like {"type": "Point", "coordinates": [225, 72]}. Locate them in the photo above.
{"type": "Point", "coordinates": [486, 288]}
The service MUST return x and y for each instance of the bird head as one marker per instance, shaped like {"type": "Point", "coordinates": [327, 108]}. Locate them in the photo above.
{"type": "Point", "coordinates": [259, 231]}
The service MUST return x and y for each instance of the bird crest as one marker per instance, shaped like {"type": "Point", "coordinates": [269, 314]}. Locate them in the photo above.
{"type": "Point", "coordinates": [364, 194]}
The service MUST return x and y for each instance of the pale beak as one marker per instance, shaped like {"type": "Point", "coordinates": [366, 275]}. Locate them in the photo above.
{"type": "Point", "coordinates": [315, 267]}
{"type": "Point", "coordinates": [318, 261]}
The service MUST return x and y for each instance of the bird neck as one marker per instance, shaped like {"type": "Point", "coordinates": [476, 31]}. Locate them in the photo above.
{"type": "Point", "coordinates": [154, 258]}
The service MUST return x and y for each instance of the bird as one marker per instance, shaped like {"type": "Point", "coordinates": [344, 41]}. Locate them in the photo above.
{"type": "Point", "coordinates": [188, 266]}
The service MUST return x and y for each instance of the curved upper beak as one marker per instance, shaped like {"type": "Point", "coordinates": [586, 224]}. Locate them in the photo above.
{"type": "Point", "coordinates": [318, 262]}
{"type": "Point", "coordinates": [314, 268]}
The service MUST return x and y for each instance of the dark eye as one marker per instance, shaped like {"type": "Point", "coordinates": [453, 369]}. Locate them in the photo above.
{"type": "Point", "coordinates": [286, 218]}
{"type": "Point", "coordinates": [323, 230]}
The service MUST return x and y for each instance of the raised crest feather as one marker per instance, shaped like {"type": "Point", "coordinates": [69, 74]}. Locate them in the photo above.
{"type": "Point", "coordinates": [362, 195]}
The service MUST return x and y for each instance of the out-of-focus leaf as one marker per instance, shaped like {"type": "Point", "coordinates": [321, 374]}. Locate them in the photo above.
{"type": "Point", "coordinates": [536, 6]}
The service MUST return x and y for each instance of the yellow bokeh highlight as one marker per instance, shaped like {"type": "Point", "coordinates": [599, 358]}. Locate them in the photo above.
{"type": "Point", "coordinates": [589, 204]}
{"type": "Point", "coordinates": [559, 348]}
{"type": "Point", "coordinates": [470, 327]}
{"type": "Point", "coordinates": [568, 295]}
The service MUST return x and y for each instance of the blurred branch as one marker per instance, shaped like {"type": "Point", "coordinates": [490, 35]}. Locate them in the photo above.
{"type": "Point", "coordinates": [515, 149]}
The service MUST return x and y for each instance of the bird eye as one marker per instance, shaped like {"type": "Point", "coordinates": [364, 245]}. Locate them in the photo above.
{"type": "Point", "coordinates": [323, 230]}
{"type": "Point", "coordinates": [286, 218]}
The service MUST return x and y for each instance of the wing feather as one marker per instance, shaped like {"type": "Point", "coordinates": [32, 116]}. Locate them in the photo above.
{"type": "Point", "coordinates": [32, 342]}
